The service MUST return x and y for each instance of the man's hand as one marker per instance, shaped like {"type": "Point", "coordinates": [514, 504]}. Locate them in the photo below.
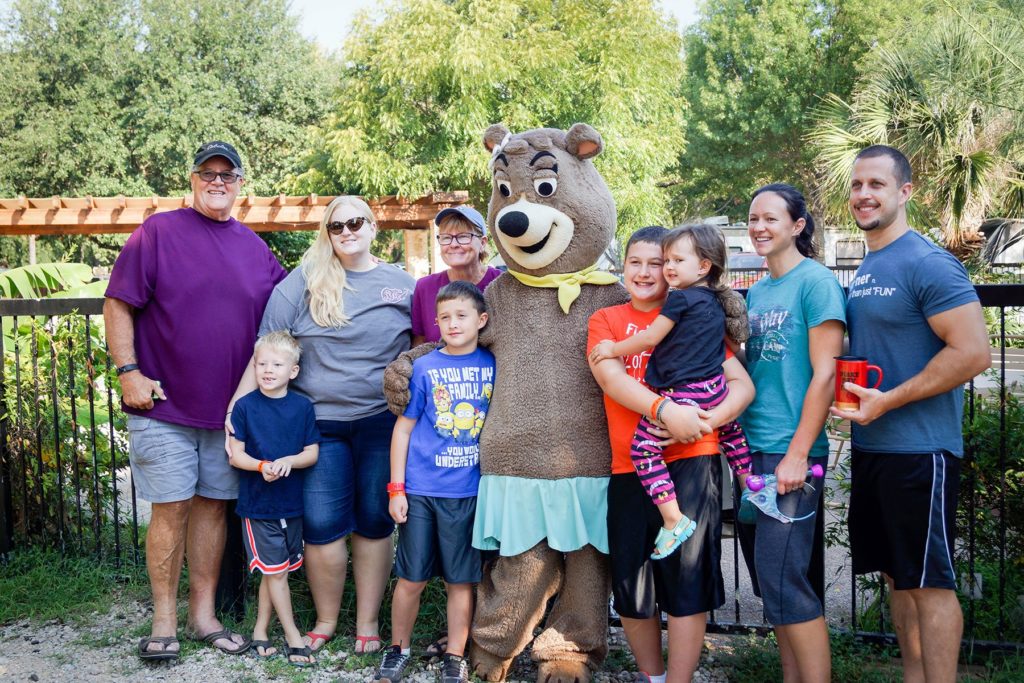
{"type": "Point", "coordinates": [398, 507]}
{"type": "Point", "coordinates": [138, 391]}
{"type": "Point", "coordinates": [872, 405]}
{"type": "Point", "coordinates": [686, 423]}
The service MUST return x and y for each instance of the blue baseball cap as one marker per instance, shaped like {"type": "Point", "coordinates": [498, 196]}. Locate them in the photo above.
{"type": "Point", "coordinates": [465, 211]}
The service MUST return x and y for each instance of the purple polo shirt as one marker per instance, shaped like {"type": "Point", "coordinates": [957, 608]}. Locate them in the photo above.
{"type": "Point", "coordinates": [198, 287]}
{"type": "Point", "coordinates": [424, 301]}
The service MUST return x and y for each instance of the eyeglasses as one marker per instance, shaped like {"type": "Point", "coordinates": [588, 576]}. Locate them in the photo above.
{"type": "Point", "coordinates": [353, 225]}
{"type": "Point", "coordinates": [461, 238]}
{"type": "Point", "coordinates": [228, 177]}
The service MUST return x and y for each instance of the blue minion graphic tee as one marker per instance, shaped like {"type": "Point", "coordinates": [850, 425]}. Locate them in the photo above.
{"type": "Point", "coordinates": [449, 397]}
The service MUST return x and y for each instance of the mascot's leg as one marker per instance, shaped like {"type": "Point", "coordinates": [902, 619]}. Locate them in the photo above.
{"type": "Point", "coordinates": [575, 640]}
{"type": "Point", "coordinates": [510, 601]}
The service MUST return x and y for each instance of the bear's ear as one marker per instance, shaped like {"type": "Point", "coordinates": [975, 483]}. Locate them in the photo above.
{"type": "Point", "coordinates": [494, 135]}
{"type": "Point", "coordinates": [583, 142]}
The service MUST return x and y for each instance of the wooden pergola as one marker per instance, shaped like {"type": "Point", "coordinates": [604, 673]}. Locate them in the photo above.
{"type": "Point", "coordinates": [26, 216]}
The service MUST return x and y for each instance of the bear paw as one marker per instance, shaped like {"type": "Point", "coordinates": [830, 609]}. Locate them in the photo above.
{"type": "Point", "coordinates": [488, 667]}
{"type": "Point", "coordinates": [560, 671]}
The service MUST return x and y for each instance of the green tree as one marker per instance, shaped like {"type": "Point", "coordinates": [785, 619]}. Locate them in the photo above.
{"type": "Point", "coordinates": [755, 69]}
{"type": "Point", "coordinates": [424, 81]}
{"type": "Point", "coordinates": [108, 97]}
{"type": "Point", "coordinates": [948, 95]}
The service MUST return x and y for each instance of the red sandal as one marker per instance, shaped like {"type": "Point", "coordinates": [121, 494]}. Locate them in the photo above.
{"type": "Point", "coordinates": [365, 641]}
{"type": "Point", "coordinates": [314, 636]}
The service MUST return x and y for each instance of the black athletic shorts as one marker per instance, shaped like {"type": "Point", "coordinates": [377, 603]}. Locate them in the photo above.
{"type": "Point", "coordinates": [273, 545]}
{"type": "Point", "coordinates": [437, 540]}
{"type": "Point", "coordinates": [903, 516]}
{"type": "Point", "coordinates": [689, 581]}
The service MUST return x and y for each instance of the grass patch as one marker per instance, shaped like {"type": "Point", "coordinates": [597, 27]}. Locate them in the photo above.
{"type": "Point", "coordinates": [40, 585]}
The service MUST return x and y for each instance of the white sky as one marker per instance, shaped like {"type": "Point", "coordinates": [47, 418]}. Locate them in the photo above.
{"type": "Point", "coordinates": [328, 21]}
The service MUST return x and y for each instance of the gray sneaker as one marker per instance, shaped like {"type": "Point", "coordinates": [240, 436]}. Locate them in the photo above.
{"type": "Point", "coordinates": [455, 669]}
{"type": "Point", "coordinates": [392, 665]}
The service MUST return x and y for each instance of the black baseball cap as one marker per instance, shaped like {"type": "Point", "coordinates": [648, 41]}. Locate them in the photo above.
{"type": "Point", "coordinates": [217, 148]}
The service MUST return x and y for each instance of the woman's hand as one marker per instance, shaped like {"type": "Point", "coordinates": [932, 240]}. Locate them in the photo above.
{"type": "Point", "coordinates": [398, 507]}
{"type": "Point", "coordinates": [791, 473]}
{"type": "Point", "coordinates": [686, 423]}
{"type": "Point", "coordinates": [602, 351]}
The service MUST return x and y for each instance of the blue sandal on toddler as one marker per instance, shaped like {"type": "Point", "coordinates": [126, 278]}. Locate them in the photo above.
{"type": "Point", "coordinates": [668, 540]}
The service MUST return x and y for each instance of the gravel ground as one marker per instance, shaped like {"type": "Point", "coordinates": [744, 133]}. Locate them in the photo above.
{"type": "Point", "coordinates": [102, 648]}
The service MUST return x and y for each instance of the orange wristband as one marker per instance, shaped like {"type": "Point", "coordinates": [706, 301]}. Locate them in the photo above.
{"type": "Point", "coordinates": [655, 406]}
{"type": "Point", "coordinates": [259, 468]}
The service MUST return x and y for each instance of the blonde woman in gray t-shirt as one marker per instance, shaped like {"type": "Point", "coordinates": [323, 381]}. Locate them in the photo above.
{"type": "Point", "coordinates": [351, 316]}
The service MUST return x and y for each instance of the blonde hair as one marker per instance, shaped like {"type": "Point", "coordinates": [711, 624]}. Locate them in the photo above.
{"type": "Point", "coordinates": [456, 222]}
{"type": "Point", "coordinates": [280, 341]}
{"type": "Point", "coordinates": [325, 276]}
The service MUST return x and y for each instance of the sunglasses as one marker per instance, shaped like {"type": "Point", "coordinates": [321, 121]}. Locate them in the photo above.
{"type": "Point", "coordinates": [353, 225]}
{"type": "Point", "coordinates": [228, 177]}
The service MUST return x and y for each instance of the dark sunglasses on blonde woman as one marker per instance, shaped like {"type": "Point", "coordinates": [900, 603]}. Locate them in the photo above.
{"type": "Point", "coordinates": [353, 225]}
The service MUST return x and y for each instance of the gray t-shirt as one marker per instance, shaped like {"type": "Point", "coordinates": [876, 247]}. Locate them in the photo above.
{"type": "Point", "coordinates": [343, 367]}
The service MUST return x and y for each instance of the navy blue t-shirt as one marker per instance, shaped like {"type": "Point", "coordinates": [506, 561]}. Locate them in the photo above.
{"type": "Point", "coordinates": [695, 348]}
{"type": "Point", "coordinates": [895, 291]}
{"type": "Point", "coordinates": [272, 428]}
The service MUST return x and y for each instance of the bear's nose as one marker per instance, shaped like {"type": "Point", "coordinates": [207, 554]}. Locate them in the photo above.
{"type": "Point", "coordinates": [514, 223]}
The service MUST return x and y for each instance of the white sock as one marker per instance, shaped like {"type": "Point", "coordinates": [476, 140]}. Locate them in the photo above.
{"type": "Point", "coordinates": [658, 679]}
{"type": "Point", "coordinates": [408, 651]}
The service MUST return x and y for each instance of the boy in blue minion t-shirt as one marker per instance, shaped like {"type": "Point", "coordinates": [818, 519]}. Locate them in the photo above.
{"type": "Point", "coordinates": [435, 474]}
{"type": "Point", "coordinates": [275, 438]}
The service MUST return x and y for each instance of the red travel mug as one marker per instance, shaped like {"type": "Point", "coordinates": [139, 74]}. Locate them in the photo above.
{"type": "Point", "coordinates": [853, 369]}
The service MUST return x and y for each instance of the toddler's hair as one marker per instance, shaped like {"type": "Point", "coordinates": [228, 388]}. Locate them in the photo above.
{"type": "Point", "coordinates": [460, 289]}
{"type": "Point", "coordinates": [708, 243]}
{"type": "Point", "coordinates": [281, 341]}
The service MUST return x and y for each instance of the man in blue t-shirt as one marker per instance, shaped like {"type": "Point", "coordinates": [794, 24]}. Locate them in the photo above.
{"type": "Point", "coordinates": [275, 439]}
{"type": "Point", "coordinates": [912, 311]}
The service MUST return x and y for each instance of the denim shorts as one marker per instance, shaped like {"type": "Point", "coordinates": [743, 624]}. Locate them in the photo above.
{"type": "Point", "coordinates": [782, 552]}
{"type": "Point", "coordinates": [437, 540]}
{"type": "Point", "coordinates": [346, 490]}
{"type": "Point", "coordinates": [172, 462]}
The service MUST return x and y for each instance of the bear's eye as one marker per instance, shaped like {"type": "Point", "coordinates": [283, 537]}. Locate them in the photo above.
{"type": "Point", "coordinates": [545, 187]}
{"type": "Point", "coordinates": [505, 188]}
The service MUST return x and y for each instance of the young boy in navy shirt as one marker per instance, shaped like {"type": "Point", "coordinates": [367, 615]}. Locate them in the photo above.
{"type": "Point", "coordinates": [435, 474]}
{"type": "Point", "coordinates": [275, 438]}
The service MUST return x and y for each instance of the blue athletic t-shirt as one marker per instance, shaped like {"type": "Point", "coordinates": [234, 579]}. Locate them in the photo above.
{"type": "Point", "coordinates": [782, 311]}
{"type": "Point", "coordinates": [895, 291]}
{"type": "Point", "coordinates": [449, 397]}
{"type": "Point", "coordinates": [272, 428]}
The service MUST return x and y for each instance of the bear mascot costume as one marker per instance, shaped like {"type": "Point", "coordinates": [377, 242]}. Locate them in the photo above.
{"type": "Point", "coordinates": [545, 458]}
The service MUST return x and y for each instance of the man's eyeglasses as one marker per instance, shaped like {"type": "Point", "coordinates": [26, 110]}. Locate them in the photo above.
{"type": "Point", "coordinates": [353, 225]}
{"type": "Point", "coordinates": [228, 177]}
{"type": "Point", "coordinates": [461, 238]}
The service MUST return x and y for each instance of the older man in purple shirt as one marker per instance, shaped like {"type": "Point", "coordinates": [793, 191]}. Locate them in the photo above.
{"type": "Point", "coordinates": [185, 299]}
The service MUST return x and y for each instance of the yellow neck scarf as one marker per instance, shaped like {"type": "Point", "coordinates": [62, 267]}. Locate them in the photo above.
{"type": "Point", "coordinates": [568, 284]}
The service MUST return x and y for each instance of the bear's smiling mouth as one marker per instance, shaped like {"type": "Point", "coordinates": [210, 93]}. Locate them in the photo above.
{"type": "Point", "coordinates": [534, 248]}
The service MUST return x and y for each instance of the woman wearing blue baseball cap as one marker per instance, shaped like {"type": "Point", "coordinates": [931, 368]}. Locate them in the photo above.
{"type": "Point", "coordinates": [462, 234]}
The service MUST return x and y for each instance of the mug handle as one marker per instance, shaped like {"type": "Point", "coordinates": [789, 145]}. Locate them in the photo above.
{"type": "Point", "coordinates": [879, 371]}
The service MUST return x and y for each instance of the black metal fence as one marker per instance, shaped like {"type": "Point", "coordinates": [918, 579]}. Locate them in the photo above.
{"type": "Point", "coordinates": [64, 480]}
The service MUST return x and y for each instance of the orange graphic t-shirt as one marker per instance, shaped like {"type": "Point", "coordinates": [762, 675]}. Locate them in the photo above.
{"type": "Point", "coordinates": [618, 323]}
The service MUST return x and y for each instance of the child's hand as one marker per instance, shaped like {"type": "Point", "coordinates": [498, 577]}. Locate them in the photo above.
{"type": "Point", "coordinates": [399, 509]}
{"type": "Point", "coordinates": [268, 476]}
{"type": "Point", "coordinates": [742, 479]}
{"type": "Point", "coordinates": [602, 351]}
{"type": "Point", "coordinates": [282, 467]}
